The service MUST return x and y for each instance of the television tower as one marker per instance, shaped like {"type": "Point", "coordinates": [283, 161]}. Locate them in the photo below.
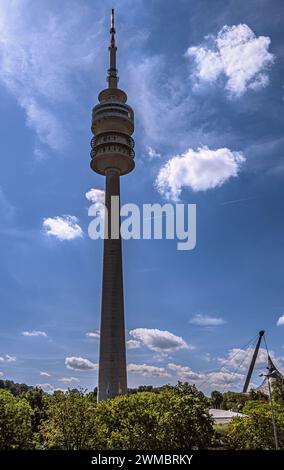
{"type": "Point", "coordinates": [112, 156]}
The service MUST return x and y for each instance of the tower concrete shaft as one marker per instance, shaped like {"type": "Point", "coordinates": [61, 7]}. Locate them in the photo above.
{"type": "Point", "coordinates": [112, 156]}
{"type": "Point", "coordinates": [112, 361]}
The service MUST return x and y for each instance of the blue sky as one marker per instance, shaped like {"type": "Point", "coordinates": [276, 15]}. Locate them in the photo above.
{"type": "Point", "coordinates": [205, 80]}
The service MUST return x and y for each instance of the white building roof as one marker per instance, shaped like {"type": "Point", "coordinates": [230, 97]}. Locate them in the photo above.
{"type": "Point", "coordinates": [223, 416]}
{"type": "Point", "coordinates": [216, 413]}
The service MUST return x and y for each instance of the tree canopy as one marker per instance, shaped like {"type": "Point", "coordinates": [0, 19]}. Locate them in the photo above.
{"type": "Point", "coordinates": [175, 418]}
{"type": "Point", "coordinates": [164, 418]}
{"type": "Point", "coordinates": [255, 431]}
{"type": "Point", "coordinates": [15, 422]}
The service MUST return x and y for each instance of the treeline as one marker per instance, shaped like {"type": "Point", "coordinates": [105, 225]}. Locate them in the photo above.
{"type": "Point", "coordinates": [235, 401]}
{"type": "Point", "coordinates": [15, 388]}
{"type": "Point", "coordinates": [171, 418]}
{"type": "Point", "coordinates": [165, 418]}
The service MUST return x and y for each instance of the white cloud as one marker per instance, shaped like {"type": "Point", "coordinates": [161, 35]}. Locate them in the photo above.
{"type": "Point", "coordinates": [209, 64]}
{"type": "Point", "coordinates": [152, 153]}
{"type": "Point", "coordinates": [41, 58]}
{"type": "Point", "coordinates": [96, 195]}
{"type": "Point", "coordinates": [45, 123]}
{"type": "Point", "coordinates": [1, 374]}
{"type": "Point", "coordinates": [207, 357]}
{"type": "Point", "coordinates": [97, 198]}
{"type": "Point", "coordinates": [45, 374]}
{"type": "Point", "coordinates": [7, 358]}
{"type": "Point", "coordinates": [68, 380]}
{"type": "Point", "coordinates": [45, 385]}
{"type": "Point", "coordinates": [79, 363]}
{"type": "Point", "coordinates": [34, 333]}
{"type": "Point", "coordinates": [147, 370]}
{"type": "Point", "coordinates": [133, 344]}
{"type": "Point", "coordinates": [7, 210]}
{"type": "Point", "coordinates": [206, 320]}
{"type": "Point", "coordinates": [60, 389]}
{"type": "Point", "coordinates": [158, 340]}
{"type": "Point", "coordinates": [280, 321]}
{"type": "Point", "coordinates": [63, 228]}
{"type": "Point", "coordinates": [199, 170]}
{"type": "Point", "coordinates": [221, 380]}
{"type": "Point", "coordinates": [161, 100]}
{"type": "Point", "coordinates": [231, 376]}
{"type": "Point", "coordinates": [162, 357]}
{"type": "Point", "coordinates": [93, 334]}
{"type": "Point", "coordinates": [238, 54]}
{"type": "Point", "coordinates": [224, 380]}
{"type": "Point", "coordinates": [238, 358]}
{"type": "Point", "coordinates": [185, 372]}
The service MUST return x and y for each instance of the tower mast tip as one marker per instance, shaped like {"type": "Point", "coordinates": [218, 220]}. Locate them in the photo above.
{"type": "Point", "coordinates": [112, 71]}
{"type": "Point", "coordinates": [112, 18]}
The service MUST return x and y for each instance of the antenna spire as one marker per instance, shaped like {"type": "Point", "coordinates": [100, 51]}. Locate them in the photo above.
{"type": "Point", "coordinates": [112, 71]}
{"type": "Point", "coordinates": [112, 18]}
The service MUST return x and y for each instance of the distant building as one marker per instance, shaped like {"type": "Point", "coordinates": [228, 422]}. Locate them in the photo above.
{"type": "Point", "coordinates": [224, 416]}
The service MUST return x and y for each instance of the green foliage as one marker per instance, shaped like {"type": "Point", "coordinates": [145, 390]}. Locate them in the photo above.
{"type": "Point", "coordinates": [185, 422]}
{"type": "Point", "coordinates": [15, 422]}
{"type": "Point", "coordinates": [234, 401]}
{"type": "Point", "coordinates": [174, 418]}
{"type": "Point", "coordinates": [165, 418]}
{"type": "Point", "coordinates": [128, 422]}
{"type": "Point", "coordinates": [216, 399]}
{"type": "Point", "coordinates": [255, 431]}
{"type": "Point", "coordinates": [257, 395]}
{"type": "Point", "coordinates": [36, 398]}
{"type": "Point", "coordinates": [171, 418]}
{"type": "Point", "coordinates": [143, 388]}
{"type": "Point", "coordinates": [15, 388]}
{"type": "Point", "coordinates": [278, 390]}
{"type": "Point", "coordinates": [70, 422]}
